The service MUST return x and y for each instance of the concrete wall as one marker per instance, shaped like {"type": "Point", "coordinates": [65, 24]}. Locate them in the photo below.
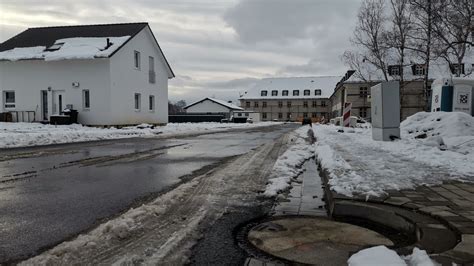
{"type": "Point", "coordinates": [297, 109]}
{"type": "Point", "coordinates": [29, 78]}
{"type": "Point", "coordinates": [207, 106]}
{"type": "Point", "coordinates": [126, 80]}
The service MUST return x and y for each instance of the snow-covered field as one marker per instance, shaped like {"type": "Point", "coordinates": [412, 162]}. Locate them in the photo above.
{"type": "Point", "coordinates": [35, 134]}
{"type": "Point", "coordinates": [434, 147]}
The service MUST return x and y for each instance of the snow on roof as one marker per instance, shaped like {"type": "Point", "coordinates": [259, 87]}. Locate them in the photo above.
{"type": "Point", "coordinates": [68, 48]}
{"type": "Point", "coordinates": [221, 102]}
{"type": "Point", "coordinates": [324, 83]}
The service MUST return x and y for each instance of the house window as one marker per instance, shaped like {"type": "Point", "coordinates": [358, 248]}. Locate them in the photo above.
{"type": "Point", "coordinates": [239, 114]}
{"type": "Point", "coordinates": [86, 99]}
{"type": "Point", "coordinates": [363, 92]}
{"type": "Point", "coordinates": [363, 112]}
{"type": "Point", "coordinates": [263, 93]}
{"type": "Point", "coordinates": [9, 99]}
{"type": "Point", "coordinates": [247, 104]}
{"type": "Point", "coordinates": [313, 104]}
{"type": "Point", "coordinates": [255, 104]}
{"type": "Point", "coordinates": [419, 70]}
{"type": "Point", "coordinates": [305, 104]}
{"type": "Point", "coordinates": [306, 92]}
{"type": "Point", "coordinates": [288, 104]}
{"type": "Point", "coordinates": [394, 70]}
{"type": "Point", "coordinates": [151, 103]}
{"type": "Point", "coordinates": [313, 115]}
{"type": "Point", "coordinates": [284, 93]}
{"type": "Point", "coordinates": [274, 93]}
{"type": "Point", "coordinates": [136, 59]}
{"type": "Point", "coordinates": [457, 68]}
{"type": "Point", "coordinates": [137, 101]}
{"type": "Point", "coordinates": [296, 92]}
{"type": "Point", "coordinates": [280, 115]}
{"type": "Point", "coordinates": [305, 115]}
{"type": "Point", "coordinates": [264, 104]}
{"type": "Point", "coordinates": [264, 115]}
{"type": "Point", "coordinates": [323, 103]}
{"type": "Point", "coordinates": [151, 68]}
{"type": "Point", "coordinates": [280, 104]}
{"type": "Point", "coordinates": [247, 114]}
{"type": "Point", "coordinates": [317, 92]}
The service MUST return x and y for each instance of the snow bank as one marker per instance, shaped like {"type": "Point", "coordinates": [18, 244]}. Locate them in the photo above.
{"type": "Point", "coordinates": [454, 129]}
{"type": "Point", "coordinates": [35, 134]}
{"type": "Point", "coordinates": [288, 164]}
{"type": "Point", "coordinates": [381, 255]}
{"type": "Point", "coordinates": [69, 48]}
{"type": "Point", "coordinates": [356, 164]}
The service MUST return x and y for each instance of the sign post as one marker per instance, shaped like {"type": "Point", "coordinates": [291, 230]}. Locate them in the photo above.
{"type": "Point", "coordinates": [346, 116]}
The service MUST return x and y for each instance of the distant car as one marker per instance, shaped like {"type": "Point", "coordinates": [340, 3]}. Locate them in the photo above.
{"type": "Point", "coordinates": [249, 120]}
{"type": "Point", "coordinates": [306, 121]}
{"type": "Point", "coordinates": [225, 120]}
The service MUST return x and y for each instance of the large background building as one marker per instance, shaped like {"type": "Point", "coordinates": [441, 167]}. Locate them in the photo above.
{"type": "Point", "coordinates": [291, 99]}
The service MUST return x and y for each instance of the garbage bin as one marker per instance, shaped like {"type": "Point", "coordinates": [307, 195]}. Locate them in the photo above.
{"type": "Point", "coordinates": [6, 117]}
{"type": "Point", "coordinates": [72, 115]}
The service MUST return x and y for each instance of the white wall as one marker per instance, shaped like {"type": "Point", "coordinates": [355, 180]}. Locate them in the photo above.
{"type": "Point", "coordinates": [29, 78]}
{"type": "Point", "coordinates": [207, 106]}
{"type": "Point", "coordinates": [126, 81]}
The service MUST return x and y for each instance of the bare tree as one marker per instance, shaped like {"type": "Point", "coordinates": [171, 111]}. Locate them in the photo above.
{"type": "Point", "coordinates": [421, 39]}
{"type": "Point", "coordinates": [454, 30]}
{"type": "Point", "coordinates": [369, 33]}
{"type": "Point", "coordinates": [356, 62]}
{"type": "Point", "coordinates": [396, 36]}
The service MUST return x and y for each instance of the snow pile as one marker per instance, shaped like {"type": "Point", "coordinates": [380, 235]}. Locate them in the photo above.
{"type": "Point", "coordinates": [381, 255]}
{"type": "Point", "coordinates": [117, 229]}
{"type": "Point", "coordinates": [356, 164]}
{"type": "Point", "coordinates": [35, 134]}
{"type": "Point", "coordinates": [288, 164]}
{"type": "Point", "coordinates": [453, 129]}
{"type": "Point", "coordinates": [69, 48]}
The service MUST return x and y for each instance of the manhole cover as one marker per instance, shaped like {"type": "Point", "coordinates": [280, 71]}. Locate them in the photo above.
{"type": "Point", "coordinates": [313, 240]}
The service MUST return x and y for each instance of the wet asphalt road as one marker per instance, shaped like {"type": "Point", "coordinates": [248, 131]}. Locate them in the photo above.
{"type": "Point", "coordinates": [51, 194]}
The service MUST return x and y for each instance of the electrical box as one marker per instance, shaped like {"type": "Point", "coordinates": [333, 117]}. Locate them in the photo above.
{"type": "Point", "coordinates": [385, 110]}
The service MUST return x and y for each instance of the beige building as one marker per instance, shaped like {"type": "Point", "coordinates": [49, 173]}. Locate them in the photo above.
{"type": "Point", "coordinates": [291, 99]}
{"type": "Point", "coordinates": [355, 88]}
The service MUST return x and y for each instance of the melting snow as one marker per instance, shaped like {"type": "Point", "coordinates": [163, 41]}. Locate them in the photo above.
{"type": "Point", "coordinates": [35, 134]}
{"type": "Point", "coordinates": [70, 48]}
{"type": "Point", "coordinates": [359, 165]}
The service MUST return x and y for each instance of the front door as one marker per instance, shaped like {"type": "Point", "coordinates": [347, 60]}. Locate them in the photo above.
{"type": "Point", "coordinates": [58, 102]}
{"type": "Point", "coordinates": [44, 104]}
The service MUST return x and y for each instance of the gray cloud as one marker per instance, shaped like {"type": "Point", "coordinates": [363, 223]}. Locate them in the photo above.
{"type": "Point", "coordinates": [216, 48]}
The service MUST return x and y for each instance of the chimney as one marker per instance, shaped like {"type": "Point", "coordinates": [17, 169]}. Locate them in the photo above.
{"type": "Point", "coordinates": [108, 43]}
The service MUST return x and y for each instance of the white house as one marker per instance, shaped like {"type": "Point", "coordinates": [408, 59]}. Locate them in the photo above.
{"type": "Point", "coordinates": [113, 74]}
{"type": "Point", "coordinates": [212, 106]}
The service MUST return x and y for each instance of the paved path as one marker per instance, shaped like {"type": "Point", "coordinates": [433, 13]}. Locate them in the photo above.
{"type": "Point", "coordinates": [452, 204]}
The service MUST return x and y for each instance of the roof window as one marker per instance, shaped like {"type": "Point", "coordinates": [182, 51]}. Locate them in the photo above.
{"type": "Point", "coordinates": [263, 93]}
{"type": "Point", "coordinates": [55, 47]}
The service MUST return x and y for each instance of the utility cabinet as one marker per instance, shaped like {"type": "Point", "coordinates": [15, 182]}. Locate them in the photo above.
{"type": "Point", "coordinates": [385, 109]}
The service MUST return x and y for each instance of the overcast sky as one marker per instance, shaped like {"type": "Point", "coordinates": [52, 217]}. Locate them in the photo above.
{"type": "Point", "coordinates": [215, 47]}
